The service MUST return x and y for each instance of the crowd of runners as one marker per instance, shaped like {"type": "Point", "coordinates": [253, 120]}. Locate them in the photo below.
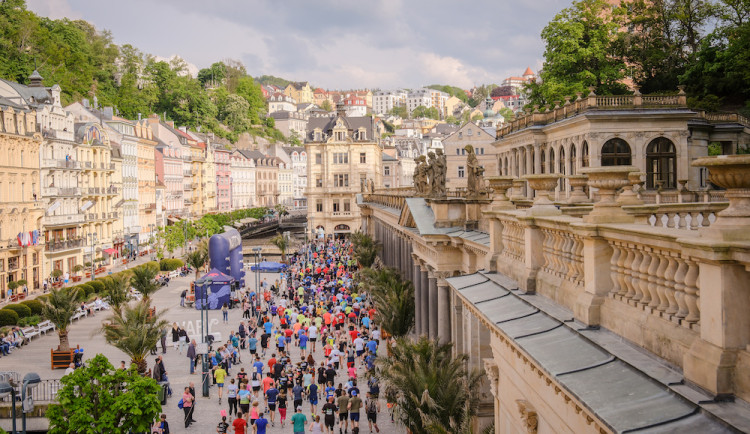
{"type": "Point", "coordinates": [315, 311]}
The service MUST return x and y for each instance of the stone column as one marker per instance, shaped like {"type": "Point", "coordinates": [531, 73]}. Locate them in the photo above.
{"type": "Point", "coordinates": [417, 281]}
{"type": "Point", "coordinates": [444, 312]}
{"type": "Point", "coordinates": [425, 314]}
{"type": "Point", "coordinates": [537, 159]}
{"type": "Point", "coordinates": [457, 325]}
{"type": "Point", "coordinates": [529, 160]}
{"type": "Point", "coordinates": [433, 302]}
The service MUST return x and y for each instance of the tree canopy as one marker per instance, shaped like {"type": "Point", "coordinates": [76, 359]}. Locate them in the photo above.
{"type": "Point", "coordinates": [425, 112]}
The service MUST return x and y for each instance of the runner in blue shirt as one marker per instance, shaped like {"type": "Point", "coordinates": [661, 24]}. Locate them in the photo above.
{"type": "Point", "coordinates": [252, 344]}
{"type": "Point", "coordinates": [372, 346]}
{"type": "Point", "coordinates": [271, 394]}
{"type": "Point", "coordinates": [258, 365]}
{"type": "Point", "coordinates": [268, 326]}
{"type": "Point", "coordinates": [281, 342]}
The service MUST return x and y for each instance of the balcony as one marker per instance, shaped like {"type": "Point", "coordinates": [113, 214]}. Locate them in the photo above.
{"type": "Point", "coordinates": [150, 207]}
{"type": "Point", "coordinates": [112, 190]}
{"type": "Point", "coordinates": [59, 246]}
{"type": "Point", "coordinates": [196, 185]}
{"type": "Point", "coordinates": [60, 164]}
{"type": "Point", "coordinates": [341, 214]}
{"type": "Point", "coordinates": [64, 220]}
{"type": "Point", "coordinates": [86, 165]}
{"type": "Point", "coordinates": [60, 191]}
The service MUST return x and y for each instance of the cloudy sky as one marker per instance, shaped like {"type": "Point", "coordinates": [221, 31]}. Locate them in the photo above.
{"type": "Point", "coordinates": [333, 43]}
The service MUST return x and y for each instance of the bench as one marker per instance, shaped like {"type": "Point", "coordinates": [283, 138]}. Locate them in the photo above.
{"type": "Point", "coordinates": [45, 326]}
{"type": "Point", "coordinates": [30, 332]}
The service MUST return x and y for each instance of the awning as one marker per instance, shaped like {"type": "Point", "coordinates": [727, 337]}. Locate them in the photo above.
{"type": "Point", "coordinates": [110, 251]}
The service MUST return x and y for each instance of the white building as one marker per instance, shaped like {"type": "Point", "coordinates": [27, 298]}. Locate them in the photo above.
{"type": "Point", "coordinates": [298, 157]}
{"type": "Point", "coordinates": [242, 180]}
{"type": "Point", "coordinates": [428, 98]}
{"type": "Point", "coordinates": [385, 100]}
{"type": "Point", "coordinates": [279, 102]}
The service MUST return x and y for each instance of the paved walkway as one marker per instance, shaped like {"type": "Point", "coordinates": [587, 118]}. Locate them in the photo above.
{"type": "Point", "coordinates": [85, 332]}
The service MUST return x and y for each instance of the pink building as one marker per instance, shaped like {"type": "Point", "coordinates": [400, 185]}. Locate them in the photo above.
{"type": "Point", "coordinates": [223, 179]}
{"type": "Point", "coordinates": [170, 173]}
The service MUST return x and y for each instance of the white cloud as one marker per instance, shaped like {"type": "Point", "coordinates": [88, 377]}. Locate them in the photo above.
{"type": "Point", "coordinates": [55, 9]}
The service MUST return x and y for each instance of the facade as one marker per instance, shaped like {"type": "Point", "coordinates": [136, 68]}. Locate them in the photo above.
{"type": "Point", "coordinates": [385, 100]}
{"type": "Point", "coordinates": [223, 179]}
{"type": "Point", "coordinates": [298, 156]}
{"type": "Point", "coordinates": [129, 152]}
{"type": "Point", "coordinates": [356, 106]}
{"type": "Point", "coordinates": [169, 173]}
{"type": "Point", "coordinates": [291, 123]}
{"type": "Point", "coordinates": [455, 154]}
{"type": "Point", "coordinates": [146, 180]}
{"type": "Point", "coordinates": [208, 181]}
{"type": "Point", "coordinates": [301, 92]}
{"type": "Point", "coordinates": [343, 155]}
{"type": "Point", "coordinates": [391, 171]}
{"type": "Point", "coordinates": [243, 175]}
{"type": "Point", "coordinates": [266, 183]}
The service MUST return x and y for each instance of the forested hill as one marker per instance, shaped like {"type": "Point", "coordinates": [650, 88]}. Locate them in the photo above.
{"type": "Point", "coordinates": [85, 62]}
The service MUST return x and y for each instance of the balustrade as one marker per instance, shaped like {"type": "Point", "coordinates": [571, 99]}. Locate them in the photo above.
{"type": "Point", "coordinates": [563, 254]}
{"type": "Point", "coordinates": [662, 282]}
{"type": "Point", "coordinates": [514, 246]}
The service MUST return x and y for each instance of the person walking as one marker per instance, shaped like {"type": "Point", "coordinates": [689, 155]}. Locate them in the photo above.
{"type": "Point", "coordinates": [164, 341]}
{"type": "Point", "coordinates": [191, 356]}
{"type": "Point", "coordinates": [299, 421]}
{"type": "Point", "coordinates": [315, 426]}
{"type": "Point", "coordinates": [187, 406]}
{"type": "Point", "coordinates": [355, 403]}
{"type": "Point", "coordinates": [371, 409]}
{"type": "Point", "coordinates": [225, 313]}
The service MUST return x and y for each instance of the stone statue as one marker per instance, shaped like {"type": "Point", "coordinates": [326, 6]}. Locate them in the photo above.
{"type": "Point", "coordinates": [372, 186]}
{"type": "Point", "coordinates": [431, 172]}
{"type": "Point", "coordinates": [362, 188]}
{"type": "Point", "coordinates": [439, 172]}
{"type": "Point", "coordinates": [475, 172]}
{"type": "Point", "coordinates": [421, 184]}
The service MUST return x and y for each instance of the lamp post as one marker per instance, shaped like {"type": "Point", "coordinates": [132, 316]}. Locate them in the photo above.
{"type": "Point", "coordinates": [257, 251]}
{"type": "Point", "coordinates": [206, 285]}
{"type": "Point", "coordinates": [92, 236]}
{"type": "Point", "coordinates": [5, 390]}
{"type": "Point", "coordinates": [30, 381]}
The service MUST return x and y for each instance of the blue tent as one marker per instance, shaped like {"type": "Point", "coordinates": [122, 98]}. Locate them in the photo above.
{"type": "Point", "coordinates": [269, 267]}
{"type": "Point", "coordinates": [220, 290]}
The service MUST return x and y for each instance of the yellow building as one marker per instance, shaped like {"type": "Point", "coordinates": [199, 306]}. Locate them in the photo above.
{"type": "Point", "coordinates": [343, 155]}
{"type": "Point", "coordinates": [208, 182]}
{"type": "Point", "coordinates": [21, 241]}
{"type": "Point", "coordinates": [146, 180]}
{"type": "Point", "coordinates": [300, 91]}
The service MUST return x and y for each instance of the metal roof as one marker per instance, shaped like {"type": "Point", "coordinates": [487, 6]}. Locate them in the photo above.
{"type": "Point", "coordinates": [622, 396]}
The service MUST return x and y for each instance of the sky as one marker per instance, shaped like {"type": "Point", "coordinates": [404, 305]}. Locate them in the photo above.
{"type": "Point", "coordinates": [334, 44]}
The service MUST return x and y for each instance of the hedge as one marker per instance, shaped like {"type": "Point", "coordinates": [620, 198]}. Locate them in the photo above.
{"type": "Point", "coordinates": [152, 264]}
{"type": "Point", "coordinates": [29, 321]}
{"type": "Point", "coordinates": [8, 317]}
{"type": "Point", "coordinates": [34, 305]}
{"type": "Point", "coordinates": [170, 264]}
{"type": "Point", "coordinates": [86, 290]}
{"type": "Point", "coordinates": [97, 285]}
{"type": "Point", "coordinates": [22, 310]}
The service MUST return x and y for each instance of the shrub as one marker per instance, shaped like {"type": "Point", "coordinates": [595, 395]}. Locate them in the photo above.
{"type": "Point", "coordinates": [170, 264]}
{"type": "Point", "coordinates": [8, 317]}
{"type": "Point", "coordinates": [34, 305]}
{"type": "Point", "coordinates": [86, 290]}
{"type": "Point", "coordinates": [42, 298]}
{"type": "Point", "coordinates": [153, 264]}
{"type": "Point", "coordinates": [22, 310]}
{"type": "Point", "coordinates": [30, 321]}
{"type": "Point", "coordinates": [97, 285]}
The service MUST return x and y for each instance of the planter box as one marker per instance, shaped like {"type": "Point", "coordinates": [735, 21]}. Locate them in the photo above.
{"type": "Point", "coordinates": [76, 278]}
{"type": "Point", "coordinates": [61, 359]}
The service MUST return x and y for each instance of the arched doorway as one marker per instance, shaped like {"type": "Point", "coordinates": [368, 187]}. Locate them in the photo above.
{"type": "Point", "coordinates": [616, 152]}
{"type": "Point", "coordinates": [341, 231]}
{"type": "Point", "coordinates": [661, 164]}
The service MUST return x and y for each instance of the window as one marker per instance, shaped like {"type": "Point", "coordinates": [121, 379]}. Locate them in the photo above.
{"type": "Point", "coordinates": [336, 206]}
{"type": "Point", "coordinates": [458, 151]}
{"type": "Point", "coordinates": [347, 205]}
{"type": "Point", "coordinates": [585, 155]}
{"type": "Point", "coordinates": [460, 134]}
{"type": "Point", "coordinates": [616, 152]}
{"type": "Point", "coordinates": [362, 158]}
{"type": "Point", "coordinates": [319, 182]}
{"type": "Point", "coordinates": [318, 158]}
{"type": "Point", "coordinates": [341, 180]}
{"type": "Point", "coordinates": [387, 171]}
{"type": "Point", "coordinates": [461, 172]}
{"type": "Point", "coordinates": [660, 163]}
{"type": "Point", "coordinates": [319, 205]}
{"type": "Point", "coordinates": [340, 158]}
{"type": "Point", "coordinates": [468, 133]}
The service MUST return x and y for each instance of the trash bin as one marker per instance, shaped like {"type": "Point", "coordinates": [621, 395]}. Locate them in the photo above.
{"type": "Point", "coordinates": [162, 393]}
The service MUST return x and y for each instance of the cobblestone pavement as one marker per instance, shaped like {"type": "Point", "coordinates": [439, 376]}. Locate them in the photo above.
{"type": "Point", "coordinates": [85, 332]}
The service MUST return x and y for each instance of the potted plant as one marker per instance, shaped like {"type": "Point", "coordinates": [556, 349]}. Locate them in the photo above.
{"type": "Point", "coordinates": [59, 308]}
{"type": "Point", "coordinates": [76, 270]}
{"type": "Point", "coordinates": [12, 287]}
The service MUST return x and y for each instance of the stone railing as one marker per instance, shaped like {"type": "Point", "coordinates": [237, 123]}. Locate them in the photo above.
{"type": "Point", "coordinates": [389, 200]}
{"type": "Point", "coordinates": [663, 282]}
{"type": "Point", "coordinates": [514, 245]}
{"type": "Point", "coordinates": [563, 254]}
{"type": "Point", "coordinates": [677, 215]}
{"type": "Point", "coordinates": [559, 111]}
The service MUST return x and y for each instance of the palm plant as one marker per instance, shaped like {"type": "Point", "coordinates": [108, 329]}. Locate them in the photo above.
{"type": "Point", "coordinates": [143, 281]}
{"type": "Point", "coordinates": [197, 259]}
{"type": "Point", "coordinates": [59, 307]}
{"type": "Point", "coordinates": [116, 290]}
{"type": "Point", "coordinates": [365, 249]}
{"type": "Point", "coordinates": [435, 391]}
{"type": "Point", "coordinates": [393, 297]}
{"type": "Point", "coordinates": [134, 330]}
{"type": "Point", "coordinates": [282, 243]}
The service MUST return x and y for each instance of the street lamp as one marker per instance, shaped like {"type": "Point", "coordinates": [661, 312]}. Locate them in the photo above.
{"type": "Point", "coordinates": [5, 390]}
{"type": "Point", "coordinates": [30, 381]}
{"type": "Point", "coordinates": [92, 236]}
{"type": "Point", "coordinates": [206, 285]}
{"type": "Point", "coordinates": [257, 251]}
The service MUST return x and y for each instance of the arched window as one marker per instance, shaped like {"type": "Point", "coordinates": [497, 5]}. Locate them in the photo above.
{"type": "Point", "coordinates": [660, 163]}
{"type": "Point", "coordinates": [561, 162]}
{"type": "Point", "coordinates": [616, 152]}
{"type": "Point", "coordinates": [551, 160]}
{"type": "Point", "coordinates": [585, 155]}
{"type": "Point", "coordinates": [543, 157]}
{"type": "Point", "coordinates": [572, 170]}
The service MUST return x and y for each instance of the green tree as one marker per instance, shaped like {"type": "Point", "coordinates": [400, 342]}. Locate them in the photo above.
{"type": "Point", "coordinates": [197, 259]}
{"type": "Point", "coordinates": [59, 307]}
{"type": "Point", "coordinates": [143, 280]}
{"type": "Point", "coordinates": [271, 80]}
{"type": "Point", "coordinates": [399, 111]}
{"type": "Point", "coordinates": [365, 249]}
{"type": "Point", "coordinates": [425, 112]}
{"type": "Point", "coordinates": [394, 299]}
{"type": "Point", "coordinates": [98, 398]}
{"type": "Point", "coordinates": [434, 391]}
{"type": "Point", "coordinates": [507, 113]}
{"type": "Point", "coordinates": [581, 50]}
{"type": "Point", "coordinates": [248, 89]}
{"type": "Point", "coordinates": [135, 330]}
{"type": "Point", "coordinates": [116, 290]}
{"type": "Point", "coordinates": [326, 105]}
{"type": "Point", "coordinates": [213, 75]}
{"type": "Point", "coordinates": [451, 90]}
{"type": "Point", "coordinates": [282, 243]}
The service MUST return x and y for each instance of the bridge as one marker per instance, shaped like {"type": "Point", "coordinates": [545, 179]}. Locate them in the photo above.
{"type": "Point", "coordinates": [296, 221]}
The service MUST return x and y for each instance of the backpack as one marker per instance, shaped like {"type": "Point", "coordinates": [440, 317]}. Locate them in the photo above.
{"type": "Point", "coordinates": [371, 407]}
{"type": "Point", "coordinates": [180, 404]}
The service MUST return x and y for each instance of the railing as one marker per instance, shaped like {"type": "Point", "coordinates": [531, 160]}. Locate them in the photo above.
{"type": "Point", "coordinates": [66, 219]}
{"type": "Point", "coordinates": [112, 190]}
{"type": "Point", "coordinates": [386, 200]}
{"type": "Point", "coordinates": [677, 215]}
{"type": "Point", "coordinates": [86, 165]}
{"type": "Point", "coordinates": [341, 213]}
{"type": "Point", "coordinates": [60, 164]}
{"type": "Point", "coordinates": [60, 191]}
{"type": "Point", "coordinates": [661, 280]}
{"type": "Point", "coordinates": [45, 391]}
{"type": "Point", "coordinates": [514, 245]}
{"type": "Point", "coordinates": [56, 246]}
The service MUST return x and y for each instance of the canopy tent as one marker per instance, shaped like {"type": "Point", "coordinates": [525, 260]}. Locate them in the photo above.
{"type": "Point", "coordinates": [110, 251]}
{"type": "Point", "coordinates": [269, 267]}
{"type": "Point", "coordinates": [219, 293]}
{"type": "Point", "coordinates": [217, 276]}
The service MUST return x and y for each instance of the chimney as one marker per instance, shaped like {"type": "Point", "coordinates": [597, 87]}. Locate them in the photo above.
{"type": "Point", "coordinates": [170, 124]}
{"type": "Point", "coordinates": [108, 112]}
{"type": "Point", "coordinates": [341, 109]}
{"type": "Point", "coordinates": [183, 129]}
